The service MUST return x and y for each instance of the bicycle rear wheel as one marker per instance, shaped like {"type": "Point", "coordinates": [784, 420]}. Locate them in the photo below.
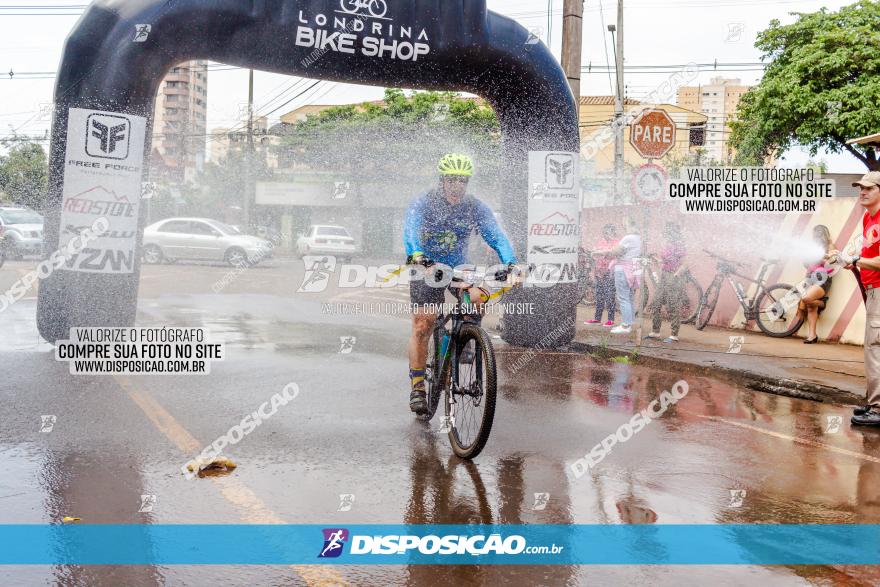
{"type": "Point", "coordinates": [470, 400]}
{"type": "Point", "coordinates": [782, 321]}
{"type": "Point", "coordinates": [707, 305]}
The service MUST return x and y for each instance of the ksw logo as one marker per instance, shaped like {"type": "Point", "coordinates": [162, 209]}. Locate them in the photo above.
{"type": "Point", "coordinates": [374, 8]}
{"type": "Point", "coordinates": [548, 250]}
{"type": "Point", "coordinates": [334, 541]}
{"type": "Point", "coordinates": [107, 136]}
{"type": "Point", "coordinates": [78, 231]}
{"type": "Point", "coordinates": [560, 170]}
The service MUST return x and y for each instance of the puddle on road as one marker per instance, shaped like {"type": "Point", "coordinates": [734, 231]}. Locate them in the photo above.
{"type": "Point", "coordinates": [272, 324]}
{"type": "Point", "coordinates": [22, 500]}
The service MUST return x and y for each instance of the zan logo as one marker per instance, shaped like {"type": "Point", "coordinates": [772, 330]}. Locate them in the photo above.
{"type": "Point", "coordinates": [560, 171]}
{"type": "Point", "coordinates": [107, 136]}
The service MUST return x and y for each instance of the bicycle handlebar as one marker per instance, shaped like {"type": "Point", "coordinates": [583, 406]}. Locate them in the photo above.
{"type": "Point", "coordinates": [722, 259]}
{"type": "Point", "coordinates": [472, 277]}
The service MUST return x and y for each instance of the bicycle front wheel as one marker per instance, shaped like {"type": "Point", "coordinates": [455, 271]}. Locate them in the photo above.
{"type": "Point", "coordinates": [707, 305]}
{"type": "Point", "coordinates": [470, 400]}
{"type": "Point", "coordinates": [434, 379]}
{"type": "Point", "coordinates": [691, 304]}
{"type": "Point", "coordinates": [773, 317]}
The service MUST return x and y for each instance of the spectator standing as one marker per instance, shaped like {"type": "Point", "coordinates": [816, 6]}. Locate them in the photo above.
{"type": "Point", "coordinates": [605, 294]}
{"type": "Point", "coordinates": [626, 254]}
{"type": "Point", "coordinates": [671, 289]}
{"type": "Point", "coordinates": [868, 262]}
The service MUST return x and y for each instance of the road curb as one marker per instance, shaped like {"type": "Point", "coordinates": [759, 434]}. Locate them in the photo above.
{"type": "Point", "coordinates": [756, 381]}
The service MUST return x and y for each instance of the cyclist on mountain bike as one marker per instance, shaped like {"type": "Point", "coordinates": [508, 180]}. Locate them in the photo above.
{"type": "Point", "coordinates": [438, 227]}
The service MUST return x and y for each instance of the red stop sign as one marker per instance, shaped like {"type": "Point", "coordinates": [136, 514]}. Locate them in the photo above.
{"type": "Point", "coordinates": [652, 134]}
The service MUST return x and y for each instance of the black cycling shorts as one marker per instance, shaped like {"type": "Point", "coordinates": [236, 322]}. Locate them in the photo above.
{"type": "Point", "coordinates": [422, 294]}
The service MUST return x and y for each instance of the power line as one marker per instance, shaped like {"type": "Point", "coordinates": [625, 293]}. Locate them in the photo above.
{"type": "Point", "coordinates": [653, 68]}
{"type": "Point", "coordinates": [605, 46]}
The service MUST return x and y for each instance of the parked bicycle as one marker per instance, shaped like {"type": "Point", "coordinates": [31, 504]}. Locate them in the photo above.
{"type": "Point", "coordinates": [765, 307]}
{"type": "Point", "coordinates": [461, 368]}
{"type": "Point", "coordinates": [586, 277]}
{"type": "Point", "coordinates": [692, 289]}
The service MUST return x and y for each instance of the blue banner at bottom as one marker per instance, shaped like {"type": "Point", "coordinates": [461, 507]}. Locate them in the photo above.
{"type": "Point", "coordinates": [754, 544]}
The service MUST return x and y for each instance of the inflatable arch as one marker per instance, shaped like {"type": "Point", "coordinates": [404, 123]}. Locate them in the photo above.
{"type": "Point", "coordinates": [119, 51]}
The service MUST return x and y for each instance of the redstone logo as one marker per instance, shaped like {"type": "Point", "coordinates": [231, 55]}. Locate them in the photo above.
{"type": "Point", "coordinates": [557, 224]}
{"type": "Point", "coordinates": [82, 204]}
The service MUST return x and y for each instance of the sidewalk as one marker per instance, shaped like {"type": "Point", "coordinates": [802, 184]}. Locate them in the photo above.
{"type": "Point", "coordinates": [825, 372]}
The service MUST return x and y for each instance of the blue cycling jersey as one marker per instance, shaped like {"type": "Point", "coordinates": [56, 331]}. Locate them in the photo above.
{"type": "Point", "coordinates": [441, 231]}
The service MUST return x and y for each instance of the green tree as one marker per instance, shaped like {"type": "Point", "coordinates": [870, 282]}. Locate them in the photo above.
{"type": "Point", "coordinates": [820, 88]}
{"type": "Point", "coordinates": [24, 171]}
{"type": "Point", "coordinates": [404, 135]}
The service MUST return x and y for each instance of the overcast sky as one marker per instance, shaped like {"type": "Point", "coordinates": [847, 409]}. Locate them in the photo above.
{"type": "Point", "coordinates": [657, 32]}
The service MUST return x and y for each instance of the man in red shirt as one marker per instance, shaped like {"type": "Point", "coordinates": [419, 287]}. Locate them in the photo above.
{"type": "Point", "coordinates": [869, 264]}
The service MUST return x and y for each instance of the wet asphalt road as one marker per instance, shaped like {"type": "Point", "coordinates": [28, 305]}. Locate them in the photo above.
{"type": "Point", "coordinates": [350, 432]}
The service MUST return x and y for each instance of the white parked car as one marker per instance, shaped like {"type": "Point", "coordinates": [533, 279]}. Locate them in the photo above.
{"type": "Point", "coordinates": [322, 239]}
{"type": "Point", "coordinates": [21, 230]}
{"type": "Point", "coordinates": [202, 239]}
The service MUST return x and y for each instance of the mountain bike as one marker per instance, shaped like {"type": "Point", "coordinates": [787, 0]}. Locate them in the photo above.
{"type": "Point", "coordinates": [692, 289]}
{"type": "Point", "coordinates": [461, 368]}
{"type": "Point", "coordinates": [765, 307]}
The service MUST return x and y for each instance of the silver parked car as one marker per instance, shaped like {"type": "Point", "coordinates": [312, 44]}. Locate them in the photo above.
{"type": "Point", "coordinates": [321, 239]}
{"type": "Point", "coordinates": [22, 231]}
{"type": "Point", "coordinates": [202, 239]}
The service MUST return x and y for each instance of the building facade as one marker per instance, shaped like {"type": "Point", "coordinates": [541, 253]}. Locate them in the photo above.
{"type": "Point", "coordinates": [597, 146]}
{"type": "Point", "coordinates": [179, 123]}
{"type": "Point", "coordinates": [719, 101]}
{"type": "Point", "coordinates": [224, 141]}
{"type": "Point", "coordinates": [597, 114]}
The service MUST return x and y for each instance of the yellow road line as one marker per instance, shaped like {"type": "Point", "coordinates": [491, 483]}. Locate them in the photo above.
{"type": "Point", "coordinates": [253, 510]}
{"type": "Point", "coordinates": [795, 439]}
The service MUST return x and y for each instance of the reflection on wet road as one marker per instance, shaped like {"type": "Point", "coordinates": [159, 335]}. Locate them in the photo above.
{"type": "Point", "coordinates": [347, 451]}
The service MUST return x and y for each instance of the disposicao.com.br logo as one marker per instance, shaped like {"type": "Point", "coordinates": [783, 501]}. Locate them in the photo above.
{"type": "Point", "coordinates": [320, 271]}
{"type": "Point", "coordinates": [334, 540]}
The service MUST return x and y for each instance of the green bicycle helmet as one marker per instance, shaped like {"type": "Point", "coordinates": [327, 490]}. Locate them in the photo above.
{"type": "Point", "coordinates": [455, 164]}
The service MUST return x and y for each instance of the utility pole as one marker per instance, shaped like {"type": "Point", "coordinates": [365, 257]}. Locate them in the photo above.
{"type": "Point", "coordinates": [249, 181]}
{"type": "Point", "coordinates": [572, 43]}
{"type": "Point", "coordinates": [618, 104]}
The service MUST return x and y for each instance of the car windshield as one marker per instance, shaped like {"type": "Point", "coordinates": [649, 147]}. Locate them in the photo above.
{"type": "Point", "coordinates": [332, 231]}
{"type": "Point", "coordinates": [20, 217]}
{"type": "Point", "coordinates": [225, 228]}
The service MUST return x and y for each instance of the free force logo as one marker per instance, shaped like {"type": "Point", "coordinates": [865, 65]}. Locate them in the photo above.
{"type": "Point", "coordinates": [108, 136]}
{"type": "Point", "coordinates": [559, 171]}
{"type": "Point", "coordinates": [334, 540]}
